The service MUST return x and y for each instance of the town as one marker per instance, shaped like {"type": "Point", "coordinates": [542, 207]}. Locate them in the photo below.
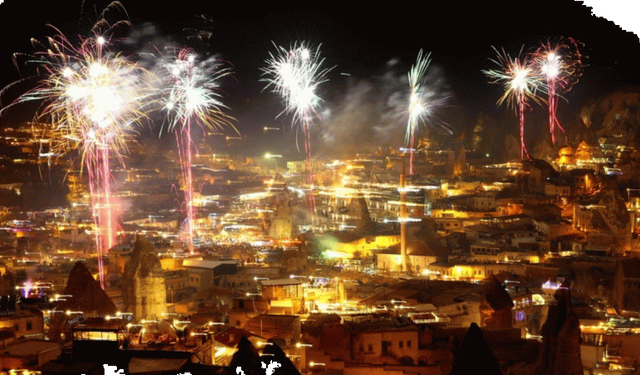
{"type": "Point", "coordinates": [468, 262]}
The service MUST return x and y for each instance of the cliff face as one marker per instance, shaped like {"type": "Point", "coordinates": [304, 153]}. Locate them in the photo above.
{"type": "Point", "coordinates": [613, 218]}
{"type": "Point", "coordinates": [612, 119]}
{"type": "Point", "coordinates": [615, 117]}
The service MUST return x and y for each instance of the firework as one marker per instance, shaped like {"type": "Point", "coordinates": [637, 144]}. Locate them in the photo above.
{"type": "Point", "coordinates": [93, 99]}
{"type": "Point", "coordinates": [521, 83]}
{"type": "Point", "coordinates": [559, 64]}
{"type": "Point", "coordinates": [418, 108]}
{"type": "Point", "coordinates": [295, 75]}
{"type": "Point", "coordinates": [190, 98]}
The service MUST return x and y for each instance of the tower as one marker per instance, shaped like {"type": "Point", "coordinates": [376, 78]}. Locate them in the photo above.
{"type": "Point", "coordinates": [403, 218]}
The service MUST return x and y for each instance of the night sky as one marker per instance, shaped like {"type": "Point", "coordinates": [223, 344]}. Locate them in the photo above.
{"type": "Point", "coordinates": [370, 48]}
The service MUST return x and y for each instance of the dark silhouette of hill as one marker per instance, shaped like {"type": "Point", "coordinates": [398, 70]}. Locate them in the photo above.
{"type": "Point", "coordinates": [475, 355]}
{"type": "Point", "coordinates": [86, 293]}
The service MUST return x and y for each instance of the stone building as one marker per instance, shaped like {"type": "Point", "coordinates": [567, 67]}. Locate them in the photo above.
{"type": "Point", "coordinates": [143, 288]}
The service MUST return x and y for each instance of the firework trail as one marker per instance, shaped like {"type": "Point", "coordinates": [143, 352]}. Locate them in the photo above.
{"type": "Point", "coordinates": [521, 82]}
{"type": "Point", "coordinates": [295, 74]}
{"type": "Point", "coordinates": [190, 98]}
{"type": "Point", "coordinates": [93, 100]}
{"type": "Point", "coordinates": [559, 64]}
{"type": "Point", "coordinates": [418, 108]}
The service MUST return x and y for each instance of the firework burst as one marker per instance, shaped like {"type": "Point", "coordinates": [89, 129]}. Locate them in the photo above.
{"type": "Point", "coordinates": [191, 99]}
{"type": "Point", "coordinates": [521, 82]}
{"type": "Point", "coordinates": [94, 100]}
{"type": "Point", "coordinates": [419, 105]}
{"type": "Point", "coordinates": [295, 74]}
{"type": "Point", "coordinates": [559, 64]}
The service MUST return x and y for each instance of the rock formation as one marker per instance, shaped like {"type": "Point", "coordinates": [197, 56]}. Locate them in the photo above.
{"type": "Point", "coordinates": [560, 353]}
{"type": "Point", "coordinates": [475, 355]}
{"type": "Point", "coordinates": [82, 294]}
{"type": "Point", "coordinates": [143, 289]}
{"type": "Point", "coordinates": [359, 213]}
{"type": "Point", "coordinates": [496, 308]}
{"type": "Point", "coordinates": [86, 294]}
{"type": "Point", "coordinates": [611, 216]}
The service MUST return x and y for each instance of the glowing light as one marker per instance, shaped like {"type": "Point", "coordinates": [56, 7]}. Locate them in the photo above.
{"type": "Point", "coordinates": [418, 106]}
{"type": "Point", "coordinates": [93, 100]}
{"type": "Point", "coordinates": [521, 82]}
{"type": "Point", "coordinates": [295, 74]}
{"type": "Point", "coordinates": [559, 64]}
{"type": "Point", "coordinates": [191, 98]}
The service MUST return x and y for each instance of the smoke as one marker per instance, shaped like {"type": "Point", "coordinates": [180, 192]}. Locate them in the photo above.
{"type": "Point", "coordinates": [370, 113]}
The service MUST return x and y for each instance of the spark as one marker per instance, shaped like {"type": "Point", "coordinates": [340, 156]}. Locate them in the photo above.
{"type": "Point", "coordinates": [559, 64]}
{"type": "Point", "coordinates": [295, 74]}
{"type": "Point", "coordinates": [418, 102]}
{"type": "Point", "coordinates": [521, 82]}
{"type": "Point", "coordinates": [93, 100]}
{"type": "Point", "coordinates": [191, 97]}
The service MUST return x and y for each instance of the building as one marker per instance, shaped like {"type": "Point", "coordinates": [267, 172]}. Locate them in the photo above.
{"type": "Point", "coordinates": [205, 274]}
{"type": "Point", "coordinates": [393, 341]}
{"type": "Point", "coordinates": [27, 323]}
{"type": "Point", "coordinates": [419, 257]}
{"type": "Point", "coordinates": [29, 354]}
{"type": "Point", "coordinates": [286, 296]}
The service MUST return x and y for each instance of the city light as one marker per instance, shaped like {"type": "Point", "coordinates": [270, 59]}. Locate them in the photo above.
{"type": "Point", "coordinates": [136, 214]}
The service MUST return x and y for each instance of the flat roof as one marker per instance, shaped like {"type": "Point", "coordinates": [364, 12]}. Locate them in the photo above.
{"type": "Point", "coordinates": [29, 347]}
{"type": "Point", "coordinates": [275, 282]}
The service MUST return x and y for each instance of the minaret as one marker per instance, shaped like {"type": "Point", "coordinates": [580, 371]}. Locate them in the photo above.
{"type": "Point", "coordinates": [403, 218]}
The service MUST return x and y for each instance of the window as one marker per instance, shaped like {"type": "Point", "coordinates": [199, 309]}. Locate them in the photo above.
{"type": "Point", "coordinates": [29, 325]}
{"type": "Point", "coordinates": [408, 343]}
{"type": "Point", "coordinates": [370, 347]}
{"type": "Point", "coordinates": [400, 344]}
